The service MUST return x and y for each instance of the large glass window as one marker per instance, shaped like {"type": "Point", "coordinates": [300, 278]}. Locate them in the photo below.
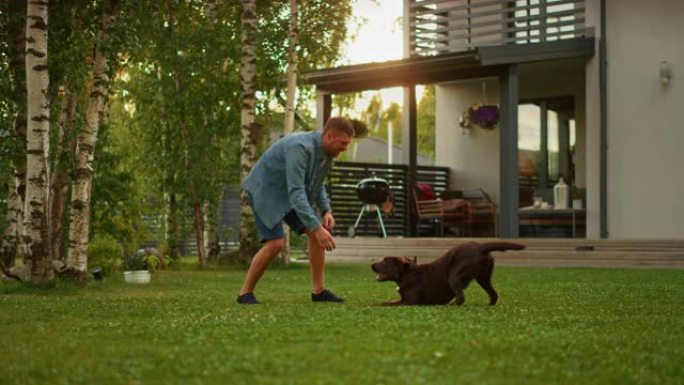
{"type": "Point", "coordinates": [546, 139]}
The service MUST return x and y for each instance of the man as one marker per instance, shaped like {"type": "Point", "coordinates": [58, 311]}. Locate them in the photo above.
{"type": "Point", "coordinates": [284, 185]}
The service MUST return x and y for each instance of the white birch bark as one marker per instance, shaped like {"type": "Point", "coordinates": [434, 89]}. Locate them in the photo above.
{"type": "Point", "coordinates": [292, 59]}
{"type": "Point", "coordinates": [10, 245]}
{"type": "Point", "coordinates": [247, 119]}
{"type": "Point", "coordinates": [37, 143]}
{"type": "Point", "coordinates": [79, 229]}
{"type": "Point", "coordinates": [291, 102]}
{"type": "Point", "coordinates": [10, 239]}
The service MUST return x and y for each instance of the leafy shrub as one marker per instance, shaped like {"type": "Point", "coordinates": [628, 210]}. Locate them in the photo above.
{"type": "Point", "coordinates": [143, 259]}
{"type": "Point", "coordinates": [106, 252]}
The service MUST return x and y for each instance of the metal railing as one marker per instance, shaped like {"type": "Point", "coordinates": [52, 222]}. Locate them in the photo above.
{"type": "Point", "coordinates": [443, 26]}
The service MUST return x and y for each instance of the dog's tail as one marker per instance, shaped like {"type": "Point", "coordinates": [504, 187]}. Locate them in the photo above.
{"type": "Point", "coordinates": [500, 246]}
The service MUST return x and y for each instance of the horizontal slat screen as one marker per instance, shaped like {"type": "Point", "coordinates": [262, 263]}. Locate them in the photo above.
{"type": "Point", "coordinates": [341, 189]}
{"type": "Point", "coordinates": [441, 26]}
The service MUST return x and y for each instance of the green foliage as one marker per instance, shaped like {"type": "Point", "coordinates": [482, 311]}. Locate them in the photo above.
{"type": "Point", "coordinates": [171, 63]}
{"type": "Point", "coordinates": [105, 251]}
{"type": "Point", "coordinates": [116, 204]}
{"type": "Point", "coordinates": [426, 122]}
{"type": "Point", "coordinates": [342, 104]}
{"type": "Point", "coordinates": [141, 261]}
{"type": "Point", "coordinates": [378, 120]}
{"type": "Point", "coordinates": [181, 67]}
{"type": "Point", "coordinates": [551, 326]}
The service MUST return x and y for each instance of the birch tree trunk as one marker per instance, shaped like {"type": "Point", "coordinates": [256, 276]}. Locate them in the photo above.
{"type": "Point", "coordinates": [59, 183]}
{"type": "Point", "coordinates": [10, 243]}
{"type": "Point", "coordinates": [293, 38]}
{"type": "Point", "coordinates": [37, 143]}
{"type": "Point", "coordinates": [248, 127]}
{"type": "Point", "coordinates": [79, 229]}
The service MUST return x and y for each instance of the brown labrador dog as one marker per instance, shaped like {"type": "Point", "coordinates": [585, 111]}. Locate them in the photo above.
{"type": "Point", "coordinates": [442, 280]}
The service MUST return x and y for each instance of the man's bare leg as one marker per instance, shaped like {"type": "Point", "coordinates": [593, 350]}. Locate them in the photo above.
{"type": "Point", "coordinates": [317, 264]}
{"type": "Point", "coordinates": [260, 262]}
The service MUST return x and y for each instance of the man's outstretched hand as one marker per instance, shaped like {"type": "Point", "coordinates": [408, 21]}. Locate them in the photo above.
{"type": "Point", "coordinates": [328, 221]}
{"type": "Point", "coordinates": [324, 239]}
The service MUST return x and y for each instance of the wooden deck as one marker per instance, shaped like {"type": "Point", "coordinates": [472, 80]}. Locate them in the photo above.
{"type": "Point", "coordinates": [539, 252]}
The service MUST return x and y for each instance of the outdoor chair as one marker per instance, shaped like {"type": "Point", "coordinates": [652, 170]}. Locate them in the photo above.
{"type": "Point", "coordinates": [433, 211]}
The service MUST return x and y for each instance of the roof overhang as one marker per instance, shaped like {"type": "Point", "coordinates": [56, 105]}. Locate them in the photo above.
{"type": "Point", "coordinates": [477, 63]}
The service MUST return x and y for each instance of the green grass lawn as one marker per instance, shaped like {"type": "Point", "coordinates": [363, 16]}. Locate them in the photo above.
{"type": "Point", "coordinates": [551, 326]}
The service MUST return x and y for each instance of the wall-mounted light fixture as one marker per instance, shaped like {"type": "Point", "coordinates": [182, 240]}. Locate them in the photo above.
{"type": "Point", "coordinates": [665, 73]}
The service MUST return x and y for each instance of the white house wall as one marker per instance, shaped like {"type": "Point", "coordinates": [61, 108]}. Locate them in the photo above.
{"type": "Point", "coordinates": [645, 119]}
{"type": "Point", "coordinates": [473, 158]}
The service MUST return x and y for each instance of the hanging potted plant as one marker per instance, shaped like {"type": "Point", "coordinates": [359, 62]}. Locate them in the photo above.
{"type": "Point", "coordinates": [482, 114]}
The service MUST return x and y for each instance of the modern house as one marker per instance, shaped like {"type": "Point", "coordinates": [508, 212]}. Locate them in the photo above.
{"type": "Point", "coordinates": [587, 90]}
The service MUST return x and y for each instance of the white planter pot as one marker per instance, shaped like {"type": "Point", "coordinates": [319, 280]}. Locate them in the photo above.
{"type": "Point", "coordinates": [137, 276]}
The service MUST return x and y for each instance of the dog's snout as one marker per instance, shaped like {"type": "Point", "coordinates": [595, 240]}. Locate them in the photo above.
{"type": "Point", "coordinates": [373, 266]}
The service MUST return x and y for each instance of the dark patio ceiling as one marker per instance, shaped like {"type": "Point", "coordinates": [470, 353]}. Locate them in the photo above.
{"type": "Point", "coordinates": [476, 63]}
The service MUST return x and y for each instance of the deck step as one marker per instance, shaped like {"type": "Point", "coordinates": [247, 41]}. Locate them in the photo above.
{"type": "Point", "coordinates": [538, 252]}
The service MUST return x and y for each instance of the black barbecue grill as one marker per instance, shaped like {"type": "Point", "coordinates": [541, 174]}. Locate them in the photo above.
{"type": "Point", "coordinates": [372, 192]}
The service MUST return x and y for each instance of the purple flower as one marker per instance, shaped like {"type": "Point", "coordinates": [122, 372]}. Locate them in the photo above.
{"type": "Point", "coordinates": [484, 116]}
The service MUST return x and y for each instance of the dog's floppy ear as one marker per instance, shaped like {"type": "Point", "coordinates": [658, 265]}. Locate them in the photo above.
{"type": "Point", "coordinates": [404, 263]}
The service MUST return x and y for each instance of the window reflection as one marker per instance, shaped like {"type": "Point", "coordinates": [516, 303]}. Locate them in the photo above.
{"type": "Point", "coordinates": [546, 141]}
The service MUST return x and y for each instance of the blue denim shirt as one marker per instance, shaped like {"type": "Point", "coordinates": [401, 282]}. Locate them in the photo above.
{"type": "Point", "coordinates": [290, 176]}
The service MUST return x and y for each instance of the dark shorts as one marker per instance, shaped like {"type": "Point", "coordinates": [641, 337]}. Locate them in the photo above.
{"type": "Point", "coordinates": [277, 232]}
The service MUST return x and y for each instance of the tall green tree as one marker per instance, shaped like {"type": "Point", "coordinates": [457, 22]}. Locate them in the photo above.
{"type": "Point", "coordinates": [79, 229]}
{"type": "Point", "coordinates": [181, 94]}
{"type": "Point", "coordinates": [72, 29]}
{"type": "Point", "coordinates": [185, 71]}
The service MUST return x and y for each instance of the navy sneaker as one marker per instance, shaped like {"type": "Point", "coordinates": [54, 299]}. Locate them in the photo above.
{"type": "Point", "coordinates": [325, 296]}
{"type": "Point", "coordinates": [247, 299]}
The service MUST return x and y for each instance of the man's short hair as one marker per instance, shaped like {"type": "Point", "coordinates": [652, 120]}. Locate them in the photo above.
{"type": "Point", "coordinates": [339, 125]}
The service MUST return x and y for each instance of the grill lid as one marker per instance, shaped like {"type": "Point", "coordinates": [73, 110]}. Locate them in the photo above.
{"type": "Point", "coordinates": [373, 190]}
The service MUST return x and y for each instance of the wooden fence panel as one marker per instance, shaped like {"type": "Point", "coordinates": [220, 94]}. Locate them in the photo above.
{"type": "Point", "coordinates": [341, 189]}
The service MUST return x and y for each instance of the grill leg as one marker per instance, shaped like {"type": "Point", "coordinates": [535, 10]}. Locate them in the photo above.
{"type": "Point", "coordinates": [358, 219]}
{"type": "Point", "coordinates": [382, 224]}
